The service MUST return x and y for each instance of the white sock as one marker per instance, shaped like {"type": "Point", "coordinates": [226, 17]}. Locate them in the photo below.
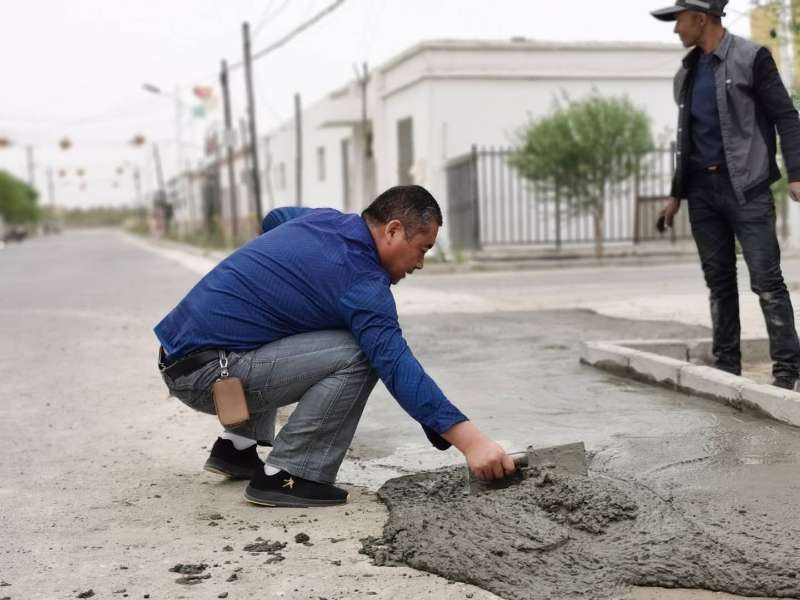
{"type": "Point", "coordinates": [270, 470]}
{"type": "Point", "coordinates": [239, 441]}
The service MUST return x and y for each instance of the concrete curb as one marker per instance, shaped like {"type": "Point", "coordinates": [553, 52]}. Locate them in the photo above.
{"type": "Point", "coordinates": [667, 362]}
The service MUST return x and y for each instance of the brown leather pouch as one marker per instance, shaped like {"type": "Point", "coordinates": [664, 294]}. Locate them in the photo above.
{"type": "Point", "coordinates": [230, 402]}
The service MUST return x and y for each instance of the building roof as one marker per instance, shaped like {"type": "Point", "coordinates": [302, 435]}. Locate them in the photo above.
{"type": "Point", "coordinates": [524, 45]}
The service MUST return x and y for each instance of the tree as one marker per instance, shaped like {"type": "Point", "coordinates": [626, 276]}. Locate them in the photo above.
{"type": "Point", "coordinates": [584, 147]}
{"type": "Point", "coordinates": [18, 201]}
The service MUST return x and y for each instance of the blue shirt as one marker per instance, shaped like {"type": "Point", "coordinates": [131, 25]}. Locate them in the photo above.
{"type": "Point", "coordinates": [707, 147]}
{"type": "Point", "coordinates": [312, 270]}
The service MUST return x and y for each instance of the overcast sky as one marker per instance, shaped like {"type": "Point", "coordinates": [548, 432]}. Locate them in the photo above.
{"type": "Point", "coordinates": [75, 69]}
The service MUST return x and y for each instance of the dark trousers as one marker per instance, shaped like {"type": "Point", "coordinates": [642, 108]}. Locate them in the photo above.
{"type": "Point", "coordinates": [718, 220]}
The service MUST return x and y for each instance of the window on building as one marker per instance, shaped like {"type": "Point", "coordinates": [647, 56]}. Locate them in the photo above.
{"type": "Point", "coordinates": [321, 163]}
{"type": "Point", "coordinates": [405, 151]}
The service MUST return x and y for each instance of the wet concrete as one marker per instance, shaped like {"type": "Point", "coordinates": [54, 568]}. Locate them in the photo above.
{"type": "Point", "coordinates": [560, 536]}
{"type": "Point", "coordinates": [721, 483]}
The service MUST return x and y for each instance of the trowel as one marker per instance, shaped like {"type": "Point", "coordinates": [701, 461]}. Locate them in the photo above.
{"type": "Point", "coordinates": [569, 459]}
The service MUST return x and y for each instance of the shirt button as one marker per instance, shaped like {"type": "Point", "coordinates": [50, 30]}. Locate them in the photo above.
{"type": "Point", "coordinates": [681, 106]}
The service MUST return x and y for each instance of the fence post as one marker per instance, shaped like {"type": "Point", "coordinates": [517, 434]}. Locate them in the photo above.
{"type": "Point", "coordinates": [636, 190]}
{"type": "Point", "coordinates": [476, 204]}
{"type": "Point", "coordinates": [558, 216]}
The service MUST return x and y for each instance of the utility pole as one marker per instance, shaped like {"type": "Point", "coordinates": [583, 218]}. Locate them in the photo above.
{"type": "Point", "coordinates": [251, 112]}
{"type": "Point", "coordinates": [298, 148]}
{"type": "Point", "coordinates": [159, 173]}
{"type": "Point", "coordinates": [178, 134]}
{"type": "Point", "coordinates": [51, 188]}
{"type": "Point", "coordinates": [137, 186]}
{"type": "Point", "coordinates": [31, 167]}
{"type": "Point", "coordinates": [362, 77]}
{"type": "Point", "coordinates": [367, 177]}
{"type": "Point", "coordinates": [228, 141]}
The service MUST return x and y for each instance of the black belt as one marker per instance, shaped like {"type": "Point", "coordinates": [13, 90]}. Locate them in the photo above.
{"type": "Point", "coordinates": [710, 169]}
{"type": "Point", "coordinates": [187, 364]}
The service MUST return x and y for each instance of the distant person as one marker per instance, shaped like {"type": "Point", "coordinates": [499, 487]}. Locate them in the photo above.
{"type": "Point", "coordinates": [304, 314]}
{"type": "Point", "coordinates": [731, 100]}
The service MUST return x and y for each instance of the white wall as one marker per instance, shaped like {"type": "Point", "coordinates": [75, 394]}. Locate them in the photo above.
{"type": "Point", "coordinates": [464, 93]}
{"type": "Point", "coordinates": [316, 134]}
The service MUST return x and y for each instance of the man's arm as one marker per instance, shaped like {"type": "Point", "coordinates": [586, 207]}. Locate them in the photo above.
{"type": "Point", "coordinates": [279, 216]}
{"type": "Point", "coordinates": [775, 101]}
{"type": "Point", "coordinates": [370, 312]}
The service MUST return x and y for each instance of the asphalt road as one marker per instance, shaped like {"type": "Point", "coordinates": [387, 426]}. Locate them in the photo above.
{"type": "Point", "coordinates": [100, 485]}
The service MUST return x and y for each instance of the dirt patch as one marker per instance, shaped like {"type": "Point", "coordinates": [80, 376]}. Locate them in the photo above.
{"type": "Point", "coordinates": [565, 537]}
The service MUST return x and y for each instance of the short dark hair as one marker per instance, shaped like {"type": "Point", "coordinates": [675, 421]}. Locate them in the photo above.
{"type": "Point", "coordinates": [412, 205]}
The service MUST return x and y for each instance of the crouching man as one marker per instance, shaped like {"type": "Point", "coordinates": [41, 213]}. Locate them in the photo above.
{"type": "Point", "coordinates": [304, 314]}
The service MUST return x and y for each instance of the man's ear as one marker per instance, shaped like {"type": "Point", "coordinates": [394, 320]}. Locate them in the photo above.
{"type": "Point", "coordinates": [393, 229]}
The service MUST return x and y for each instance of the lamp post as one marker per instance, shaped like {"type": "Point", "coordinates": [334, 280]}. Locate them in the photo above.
{"type": "Point", "coordinates": [179, 108]}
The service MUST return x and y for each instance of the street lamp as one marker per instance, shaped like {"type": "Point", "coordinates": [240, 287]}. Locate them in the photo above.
{"type": "Point", "coordinates": [179, 106]}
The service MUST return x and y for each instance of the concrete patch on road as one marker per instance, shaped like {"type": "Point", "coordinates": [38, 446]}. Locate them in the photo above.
{"type": "Point", "coordinates": [568, 537]}
{"type": "Point", "coordinates": [655, 361]}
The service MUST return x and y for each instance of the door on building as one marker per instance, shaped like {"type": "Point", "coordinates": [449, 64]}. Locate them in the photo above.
{"type": "Point", "coordinates": [346, 187]}
{"type": "Point", "coordinates": [405, 151]}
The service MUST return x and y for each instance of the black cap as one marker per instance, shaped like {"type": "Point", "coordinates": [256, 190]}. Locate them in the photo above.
{"type": "Point", "coordinates": [710, 7]}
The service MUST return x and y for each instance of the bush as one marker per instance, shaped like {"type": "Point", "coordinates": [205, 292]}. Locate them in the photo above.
{"type": "Point", "coordinates": [18, 201]}
{"type": "Point", "coordinates": [584, 147]}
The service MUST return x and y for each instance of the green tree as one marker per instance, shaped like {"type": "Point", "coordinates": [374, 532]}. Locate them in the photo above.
{"type": "Point", "coordinates": [582, 148]}
{"type": "Point", "coordinates": [18, 201]}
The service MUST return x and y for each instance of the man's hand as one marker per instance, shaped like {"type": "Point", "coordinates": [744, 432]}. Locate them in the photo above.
{"type": "Point", "coordinates": [485, 458]}
{"type": "Point", "coordinates": [794, 190]}
{"type": "Point", "coordinates": [667, 214]}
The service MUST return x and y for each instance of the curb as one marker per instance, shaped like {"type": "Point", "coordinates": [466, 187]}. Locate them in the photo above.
{"type": "Point", "coordinates": [666, 362]}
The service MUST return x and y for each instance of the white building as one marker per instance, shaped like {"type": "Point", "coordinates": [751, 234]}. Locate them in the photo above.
{"type": "Point", "coordinates": [437, 99]}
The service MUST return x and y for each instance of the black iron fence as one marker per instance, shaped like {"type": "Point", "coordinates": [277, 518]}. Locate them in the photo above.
{"type": "Point", "coordinates": [491, 204]}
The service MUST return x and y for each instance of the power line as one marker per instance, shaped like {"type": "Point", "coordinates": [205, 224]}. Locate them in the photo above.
{"type": "Point", "coordinates": [269, 16]}
{"type": "Point", "coordinates": [292, 34]}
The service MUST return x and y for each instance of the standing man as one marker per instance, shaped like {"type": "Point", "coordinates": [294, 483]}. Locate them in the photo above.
{"type": "Point", "coordinates": [731, 100]}
{"type": "Point", "coordinates": [304, 314]}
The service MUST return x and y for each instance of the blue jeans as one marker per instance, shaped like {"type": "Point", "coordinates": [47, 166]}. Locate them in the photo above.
{"type": "Point", "coordinates": [718, 220]}
{"type": "Point", "coordinates": [324, 372]}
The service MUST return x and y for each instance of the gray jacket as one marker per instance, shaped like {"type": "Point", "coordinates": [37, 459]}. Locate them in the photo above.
{"type": "Point", "coordinates": [752, 102]}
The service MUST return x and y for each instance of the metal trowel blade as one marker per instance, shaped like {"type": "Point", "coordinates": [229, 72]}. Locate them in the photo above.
{"type": "Point", "coordinates": [565, 458]}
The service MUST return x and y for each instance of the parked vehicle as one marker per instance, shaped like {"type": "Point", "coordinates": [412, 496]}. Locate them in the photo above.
{"type": "Point", "coordinates": [15, 233]}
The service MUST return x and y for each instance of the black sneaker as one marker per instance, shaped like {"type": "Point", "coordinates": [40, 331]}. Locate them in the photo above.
{"type": "Point", "coordinates": [284, 489]}
{"type": "Point", "coordinates": [226, 460]}
{"type": "Point", "coordinates": [787, 383]}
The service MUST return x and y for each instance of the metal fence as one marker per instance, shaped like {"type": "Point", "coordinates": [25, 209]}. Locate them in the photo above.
{"type": "Point", "coordinates": [491, 204]}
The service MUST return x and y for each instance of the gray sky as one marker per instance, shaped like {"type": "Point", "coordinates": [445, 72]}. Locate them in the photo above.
{"type": "Point", "coordinates": [75, 69]}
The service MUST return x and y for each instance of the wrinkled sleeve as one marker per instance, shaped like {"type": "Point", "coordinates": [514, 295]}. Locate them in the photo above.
{"type": "Point", "coordinates": [278, 216]}
{"type": "Point", "coordinates": [778, 105]}
{"type": "Point", "coordinates": [369, 310]}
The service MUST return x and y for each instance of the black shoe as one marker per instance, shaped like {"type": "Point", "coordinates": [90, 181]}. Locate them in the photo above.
{"type": "Point", "coordinates": [787, 383]}
{"type": "Point", "coordinates": [226, 460]}
{"type": "Point", "coordinates": [283, 489]}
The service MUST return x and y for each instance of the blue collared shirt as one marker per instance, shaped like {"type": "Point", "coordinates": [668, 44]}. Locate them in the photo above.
{"type": "Point", "coordinates": [311, 270]}
{"type": "Point", "coordinates": [707, 147]}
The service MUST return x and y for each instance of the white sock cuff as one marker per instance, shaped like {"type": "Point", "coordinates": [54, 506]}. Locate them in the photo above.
{"type": "Point", "coordinates": [239, 441]}
{"type": "Point", "coordinates": [270, 470]}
